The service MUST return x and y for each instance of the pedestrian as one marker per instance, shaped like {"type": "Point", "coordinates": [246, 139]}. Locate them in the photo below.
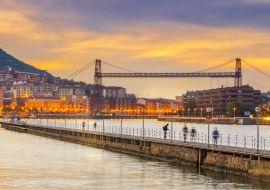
{"type": "Point", "coordinates": [165, 129]}
{"type": "Point", "coordinates": [95, 125]}
{"type": "Point", "coordinates": [185, 132]}
{"type": "Point", "coordinates": [83, 125]}
{"type": "Point", "coordinates": [193, 134]}
{"type": "Point", "coordinates": [215, 136]}
{"type": "Point", "coordinates": [18, 119]}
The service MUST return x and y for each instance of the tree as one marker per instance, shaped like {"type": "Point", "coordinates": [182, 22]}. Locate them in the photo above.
{"type": "Point", "coordinates": [239, 107]}
{"type": "Point", "coordinates": [191, 104]}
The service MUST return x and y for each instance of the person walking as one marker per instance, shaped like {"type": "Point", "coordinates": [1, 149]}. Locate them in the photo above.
{"type": "Point", "coordinates": [165, 129]}
{"type": "Point", "coordinates": [193, 134]}
{"type": "Point", "coordinates": [95, 125]}
{"type": "Point", "coordinates": [215, 136]}
{"type": "Point", "coordinates": [83, 125]}
{"type": "Point", "coordinates": [185, 132]}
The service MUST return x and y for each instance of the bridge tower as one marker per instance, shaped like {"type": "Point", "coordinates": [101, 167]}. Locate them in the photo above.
{"type": "Point", "coordinates": [238, 73]}
{"type": "Point", "coordinates": [97, 97]}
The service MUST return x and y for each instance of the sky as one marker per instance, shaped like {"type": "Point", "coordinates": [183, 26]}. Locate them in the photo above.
{"type": "Point", "coordinates": [62, 36]}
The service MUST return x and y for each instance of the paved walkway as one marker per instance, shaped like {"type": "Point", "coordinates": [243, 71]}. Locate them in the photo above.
{"type": "Point", "coordinates": [219, 148]}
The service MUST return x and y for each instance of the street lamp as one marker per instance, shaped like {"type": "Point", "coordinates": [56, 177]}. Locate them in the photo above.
{"type": "Point", "coordinates": [143, 119]}
{"type": "Point", "coordinates": [201, 112]}
{"type": "Point", "coordinates": [183, 112]}
{"type": "Point", "coordinates": [121, 120]}
{"type": "Point", "coordinates": [208, 110]}
{"type": "Point", "coordinates": [195, 112]}
{"type": "Point", "coordinates": [258, 111]}
{"type": "Point", "coordinates": [234, 109]}
{"type": "Point", "coordinates": [188, 111]}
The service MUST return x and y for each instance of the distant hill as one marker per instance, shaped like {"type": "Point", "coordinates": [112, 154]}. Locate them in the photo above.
{"type": "Point", "coordinates": [8, 62]}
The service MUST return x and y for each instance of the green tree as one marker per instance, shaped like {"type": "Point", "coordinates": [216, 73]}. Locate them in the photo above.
{"type": "Point", "coordinates": [239, 108]}
{"type": "Point", "coordinates": [191, 104]}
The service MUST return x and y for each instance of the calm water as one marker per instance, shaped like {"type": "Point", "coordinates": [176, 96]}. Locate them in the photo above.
{"type": "Point", "coordinates": [33, 162]}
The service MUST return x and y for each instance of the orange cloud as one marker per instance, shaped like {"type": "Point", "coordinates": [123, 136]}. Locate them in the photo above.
{"type": "Point", "coordinates": [163, 46]}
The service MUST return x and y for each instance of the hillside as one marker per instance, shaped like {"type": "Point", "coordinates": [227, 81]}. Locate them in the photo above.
{"type": "Point", "coordinates": [7, 62]}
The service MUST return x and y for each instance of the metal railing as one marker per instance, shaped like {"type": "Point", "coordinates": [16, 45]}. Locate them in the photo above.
{"type": "Point", "coordinates": [225, 141]}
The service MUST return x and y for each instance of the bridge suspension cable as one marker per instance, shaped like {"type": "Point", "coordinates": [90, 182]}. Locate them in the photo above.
{"type": "Point", "coordinates": [216, 66]}
{"type": "Point", "coordinates": [257, 69]}
{"type": "Point", "coordinates": [79, 71]}
{"type": "Point", "coordinates": [118, 67]}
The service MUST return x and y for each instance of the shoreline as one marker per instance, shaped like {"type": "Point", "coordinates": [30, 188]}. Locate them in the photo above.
{"type": "Point", "coordinates": [237, 162]}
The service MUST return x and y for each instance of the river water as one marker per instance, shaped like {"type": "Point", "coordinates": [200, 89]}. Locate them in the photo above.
{"type": "Point", "coordinates": [34, 162]}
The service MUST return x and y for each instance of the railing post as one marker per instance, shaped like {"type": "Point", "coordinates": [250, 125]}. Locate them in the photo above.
{"type": "Point", "coordinates": [261, 143]}
{"type": "Point", "coordinates": [236, 141]}
{"type": "Point", "coordinates": [252, 142]}
{"type": "Point", "coordinates": [228, 140]}
{"type": "Point", "coordinates": [245, 143]}
{"type": "Point", "coordinates": [264, 145]}
{"type": "Point", "coordinates": [220, 139]}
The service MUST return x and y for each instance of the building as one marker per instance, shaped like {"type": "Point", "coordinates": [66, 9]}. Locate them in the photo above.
{"type": "Point", "coordinates": [125, 105]}
{"type": "Point", "coordinates": [52, 105]}
{"type": "Point", "coordinates": [68, 90]}
{"type": "Point", "coordinates": [220, 98]}
{"type": "Point", "coordinates": [159, 106]}
{"type": "Point", "coordinates": [114, 92]}
{"type": "Point", "coordinates": [1, 98]}
{"type": "Point", "coordinates": [180, 100]}
{"type": "Point", "coordinates": [45, 90]}
{"type": "Point", "coordinates": [29, 77]}
{"type": "Point", "coordinates": [265, 99]}
{"type": "Point", "coordinates": [23, 90]}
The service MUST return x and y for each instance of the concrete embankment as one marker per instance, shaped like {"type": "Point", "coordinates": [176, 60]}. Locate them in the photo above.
{"type": "Point", "coordinates": [230, 160]}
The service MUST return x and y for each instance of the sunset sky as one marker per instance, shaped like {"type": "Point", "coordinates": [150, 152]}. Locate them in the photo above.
{"type": "Point", "coordinates": [142, 35]}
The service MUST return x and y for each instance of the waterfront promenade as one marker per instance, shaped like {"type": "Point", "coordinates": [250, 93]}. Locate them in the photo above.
{"type": "Point", "coordinates": [151, 144]}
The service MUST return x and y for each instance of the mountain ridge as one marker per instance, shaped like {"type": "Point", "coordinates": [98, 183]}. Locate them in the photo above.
{"type": "Point", "coordinates": [9, 62]}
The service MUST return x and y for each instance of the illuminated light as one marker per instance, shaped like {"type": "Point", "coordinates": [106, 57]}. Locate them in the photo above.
{"type": "Point", "coordinates": [267, 118]}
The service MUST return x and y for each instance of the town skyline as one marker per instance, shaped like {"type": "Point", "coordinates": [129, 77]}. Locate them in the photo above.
{"type": "Point", "coordinates": [173, 40]}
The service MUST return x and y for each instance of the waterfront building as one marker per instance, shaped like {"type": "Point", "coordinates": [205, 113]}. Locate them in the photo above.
{"type": "Point", "coordinates": [220, 98]}
{"type": "Point", "coordinates": [114, 92]}
{"type": "Point", "coordinates": [122, 105]}
{"type": "Point", "coordinates": [50, 105]}
{"type": "Point", "coordinates": [161, 106]}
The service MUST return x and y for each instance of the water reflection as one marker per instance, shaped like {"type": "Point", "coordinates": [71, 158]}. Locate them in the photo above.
{"type": "Point", "coordinates": [33, 162]}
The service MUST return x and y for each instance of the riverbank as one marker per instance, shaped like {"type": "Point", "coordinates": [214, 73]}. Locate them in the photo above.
{"type": "Point", "coordinates": [228, 120]}
{"type": "Point", "coordinates": [229, 159]}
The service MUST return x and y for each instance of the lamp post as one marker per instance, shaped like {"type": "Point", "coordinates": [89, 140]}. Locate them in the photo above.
{"type": "Point", "coordinates": [234, 109]}
{"type": "Point", "coordinates": [201, 112]}
{"type": "Point", "coordinates": [183, 111]}
{"type": "Point", "coordinates": [258, 111]}
{"type": "Point", "coordinates": [143, 120]}
{"type": "Point", "coordinates": [121, 120]}
{"type": "Point", "coordinates": [188, 111]}
{"type": "Point", "coordinates": [208, 110]}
